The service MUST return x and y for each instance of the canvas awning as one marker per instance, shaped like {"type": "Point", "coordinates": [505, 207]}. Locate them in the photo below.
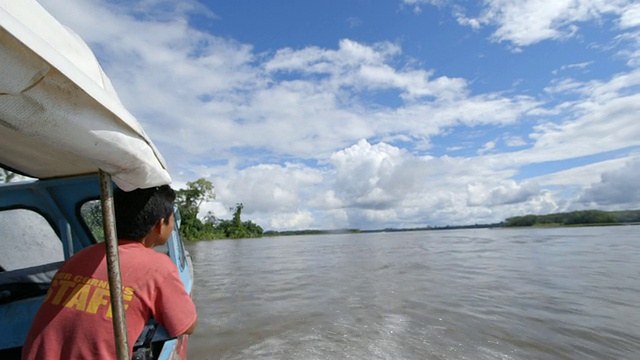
{"type": "Point", "coordinates": [59, 114]}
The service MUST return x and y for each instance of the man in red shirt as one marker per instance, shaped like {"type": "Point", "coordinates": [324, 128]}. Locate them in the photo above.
{"type": "Point", "coordinates": [74, 321]}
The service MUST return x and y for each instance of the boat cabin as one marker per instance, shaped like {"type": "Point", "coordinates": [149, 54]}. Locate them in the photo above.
{"type": "Point", "coordinates": [63, 127]}
{"type": "Point", "coordinates": [42, 223]}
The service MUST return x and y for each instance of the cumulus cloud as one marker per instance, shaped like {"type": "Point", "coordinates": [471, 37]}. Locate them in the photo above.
{"type": "Point", "coordinates": [504, 193]}
{"type": "Point", "coordinates": [297, 220]}
{"type": "Point", "coordinates": [617, 187]}
{"type": "Point", "coordinates": [268, 188]}
{"type": "Point", "coordinates": [378, 183]}
{"type": "Point", "coordinates": [376, 176]}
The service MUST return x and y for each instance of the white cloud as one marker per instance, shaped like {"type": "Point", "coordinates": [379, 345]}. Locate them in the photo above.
{"type": "Point", "coordinates": [514, 141]}
{"type": "Point", "coordinates": [582, 65]}
{"type": "Point", "coordinates": [504, 193]}
{"type": "Point", "coordinates": [376, 176]}
{"type": "Point", "coordinates": [526, 22]}
{"type": "Point", "coordinates": [543, 203]}
{"type": "Point", "coordinates": [487, 147]}
{"type": "Point", "coordinates": [630, 16]}
{"type": "Point", "coordinates": [354, 65]}
{"type": "Point", "coordinates": [530, 21]}
{"type": "Point", "coordinates": [383, 184]}
{"type": "Point", "coordinates": [582, 176]}
{"type": "Point", "coordinates": [349, 55]}
{"type": "Point", "coordinates": [188, 83]}
{"type": "Point", "coordinates": [268, 188]}
{"type": "Point", "coordinates": [618, 187]}
{"type": "Point", "coordinates": [605, 120]}
{"type": "Point", "coordinates": [297, 220]}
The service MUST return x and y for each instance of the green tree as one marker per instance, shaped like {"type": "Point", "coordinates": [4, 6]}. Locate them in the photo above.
{"type": "Point", "coordinates": [253, 229]}
{"type": "Point", "coordinates": [197, 192]}
{"type": "Point", "coordinates": [210, 227]}
{"type": "Point", "coordinates": [583, 217]}
{"type": "Point", "coordinates": [527, 220]}
{"type": "Point", "coordinates": [589, 217]}
{"type": "Point", "coordinates": [237, 230]}
{"type": "Point", "coordinates": [188, 202]}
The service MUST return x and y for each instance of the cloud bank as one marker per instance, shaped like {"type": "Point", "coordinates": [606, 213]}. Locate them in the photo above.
{"type": "Point", "coordinates": [351, 135]}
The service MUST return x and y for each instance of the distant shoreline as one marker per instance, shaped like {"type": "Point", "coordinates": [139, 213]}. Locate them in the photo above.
{"type": "Point", "coordinates": [584, 218]}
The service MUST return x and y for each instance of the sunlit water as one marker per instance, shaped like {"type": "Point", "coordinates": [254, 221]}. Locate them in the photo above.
{"type": "Point", "coordinates": [562, 293]}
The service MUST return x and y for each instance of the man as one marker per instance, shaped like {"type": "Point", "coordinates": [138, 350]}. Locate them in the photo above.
{"type": "Point", "coordinates": [75, 319]}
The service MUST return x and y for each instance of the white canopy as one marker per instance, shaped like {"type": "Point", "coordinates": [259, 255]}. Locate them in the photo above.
{"type": "Point", "coordinates": [59, 113]}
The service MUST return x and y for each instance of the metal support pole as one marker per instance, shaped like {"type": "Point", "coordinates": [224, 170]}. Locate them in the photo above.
{"type": "Point", "coordinates": [113, 266]}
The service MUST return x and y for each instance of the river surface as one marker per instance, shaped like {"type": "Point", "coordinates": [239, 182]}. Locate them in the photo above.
{"type": "Point", "coordinates": [559, 293]}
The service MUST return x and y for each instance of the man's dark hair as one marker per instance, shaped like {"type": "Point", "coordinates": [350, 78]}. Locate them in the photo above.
{"type": "Point", "coordinates": [139, 210]}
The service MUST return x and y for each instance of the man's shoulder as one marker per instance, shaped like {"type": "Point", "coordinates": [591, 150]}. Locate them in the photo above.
{"type": "Point", "coordinates": [152, 258]}
{"type": "Point", "coordinates": [89, 253]}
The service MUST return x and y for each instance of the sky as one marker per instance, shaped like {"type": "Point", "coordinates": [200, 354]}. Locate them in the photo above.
{"type": "Point", "coordinates": [375, 114]}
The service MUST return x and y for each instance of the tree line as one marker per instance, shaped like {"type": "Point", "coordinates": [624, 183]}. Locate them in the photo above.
{"type": "Point", "coordinates": [584, 217]}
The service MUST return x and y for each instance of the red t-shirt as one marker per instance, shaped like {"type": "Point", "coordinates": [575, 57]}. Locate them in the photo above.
{"type": "Point", "coordinates": [75, 322]}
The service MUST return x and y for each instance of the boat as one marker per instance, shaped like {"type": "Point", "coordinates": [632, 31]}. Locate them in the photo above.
{"type": "Point", "coordinates": [63, 127]}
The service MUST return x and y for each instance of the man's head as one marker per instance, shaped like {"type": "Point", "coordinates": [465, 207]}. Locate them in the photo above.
{"type": "Point", "coordinates": [138, 211]}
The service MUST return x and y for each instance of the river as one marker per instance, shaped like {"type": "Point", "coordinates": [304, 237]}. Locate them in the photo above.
{"type": "Point", "coordinates": [556, 293]}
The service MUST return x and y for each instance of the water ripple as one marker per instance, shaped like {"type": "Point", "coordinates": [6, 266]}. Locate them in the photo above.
{"type": "Point", "coordinates": [459, 294]}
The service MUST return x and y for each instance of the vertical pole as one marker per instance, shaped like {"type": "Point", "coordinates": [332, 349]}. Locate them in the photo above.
{"type": "Point", "coordinates": [113, 267]}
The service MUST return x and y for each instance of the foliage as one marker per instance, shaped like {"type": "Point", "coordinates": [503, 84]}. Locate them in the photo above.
{"type": "Point", "coordinates": [570, 218]}
{"type": "Point", "coordinates": [236, 229]}
{"type": "Point", "coordinates": [192, 228]}
{"type": "Point", "coordinates": [188, 202]}
{"type": "Point", "coordinates": [91, 212]}
{"type": "Point", "coordinates": [626, 216]}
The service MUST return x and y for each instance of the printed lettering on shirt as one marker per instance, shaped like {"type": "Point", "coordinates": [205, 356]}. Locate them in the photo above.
{"type": "Point", "coordinates": [84, 294]}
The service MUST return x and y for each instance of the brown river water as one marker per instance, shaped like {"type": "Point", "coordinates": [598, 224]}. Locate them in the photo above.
{"type": "Point", "coordinates": [559, 293]}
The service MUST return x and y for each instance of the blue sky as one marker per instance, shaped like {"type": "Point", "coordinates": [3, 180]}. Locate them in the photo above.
{"type": "Point", "coordinates": [373, 114]}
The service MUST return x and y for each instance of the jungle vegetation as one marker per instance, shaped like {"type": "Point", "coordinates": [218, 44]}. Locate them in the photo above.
{"type": "Point", "coordinates": [192, 228]}
{"type": "Point", "coordinates": [584, 217]}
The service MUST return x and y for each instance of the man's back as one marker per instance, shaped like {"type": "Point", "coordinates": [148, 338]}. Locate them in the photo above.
{"type": "Point", "coordinates": [75, 322]}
